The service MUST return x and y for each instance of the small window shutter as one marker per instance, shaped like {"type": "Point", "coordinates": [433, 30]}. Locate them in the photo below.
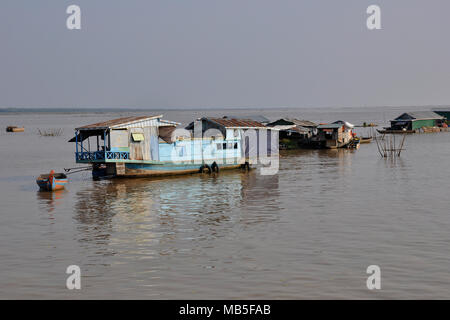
{"type": "Point", "coordinates": [137, 137]}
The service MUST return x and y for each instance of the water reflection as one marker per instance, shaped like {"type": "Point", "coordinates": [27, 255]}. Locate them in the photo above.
{"type": "Point", "coordinates": [148, 217]}
{"type": "Point", "coordinates": [394, 162]}
{"type": "Point", "coordinates": [311, 179]}
{"type": "Point", "coordinates": [49, 200]}
{"type": "Point", "coordinates": [94, 212]}
{"type": "Point", "coordinates": [260, 199]}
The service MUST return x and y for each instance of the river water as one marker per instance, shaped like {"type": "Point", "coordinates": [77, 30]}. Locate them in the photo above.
{"type": "Point", "coordinates": [309, 231]}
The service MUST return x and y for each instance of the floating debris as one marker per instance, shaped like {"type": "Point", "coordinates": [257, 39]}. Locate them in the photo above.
{"type": "Point", "coordinates": [14, 129]}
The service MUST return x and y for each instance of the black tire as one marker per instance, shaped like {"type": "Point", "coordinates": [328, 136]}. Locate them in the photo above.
{"type": "Point", "coordinates": [245, 166]}
{"type": "Point", "coordinates": [205, 166]}
{"type": "Point", "coordinates": [215, 167]}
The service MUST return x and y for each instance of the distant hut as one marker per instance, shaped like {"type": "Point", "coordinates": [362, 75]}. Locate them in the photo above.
{"type": "Point", "coordinates": [334, 135]}
{"type": "Point", "coordinates": [443, 112]}
{"type": "Point", "coordinates": [413, 121]}
{"type": "Point", "coordinates": [294, 133]}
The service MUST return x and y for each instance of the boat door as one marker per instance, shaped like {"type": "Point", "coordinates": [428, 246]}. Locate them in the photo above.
{"type": "Point", "coordinates": [137, 144]}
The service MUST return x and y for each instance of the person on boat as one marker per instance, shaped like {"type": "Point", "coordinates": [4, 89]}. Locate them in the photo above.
{"type": "Point", "coordinates": [51, 176]}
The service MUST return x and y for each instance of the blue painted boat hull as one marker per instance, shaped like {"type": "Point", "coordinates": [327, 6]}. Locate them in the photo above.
{"type": "Point", "coordinates": [57, 183]}
{"type": "Point", "coordinates": [157, 170]}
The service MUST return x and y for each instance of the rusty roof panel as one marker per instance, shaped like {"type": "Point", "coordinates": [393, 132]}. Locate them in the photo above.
{"type": "Point", "coordinates": [304, 123]}
{"type": "Point", "coordinates": [116, 122]}
{"type": "Point", "coordinates": [237, 123]}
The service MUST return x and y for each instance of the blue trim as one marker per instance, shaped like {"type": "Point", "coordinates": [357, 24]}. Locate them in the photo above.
{"type": "Point", "coordinates": [118, 155]}
{"type": "Point", "coordinates": [101, 155]}
{"type": "Point", "coordinates": [170, 167]}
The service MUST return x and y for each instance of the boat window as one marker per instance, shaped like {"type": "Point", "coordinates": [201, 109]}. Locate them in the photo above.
{"type": "Point", "coordinates": [137, 137]}
{"type": "Point", "coordinates": [235, 145]}
{"type": "Point", "coordinates": [219, 146]}
{"type": "Point", "coordinates": [224, 145]}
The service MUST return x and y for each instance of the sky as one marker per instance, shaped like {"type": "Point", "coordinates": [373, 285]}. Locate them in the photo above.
{"type": "Point", "coordinates": [224, 53]}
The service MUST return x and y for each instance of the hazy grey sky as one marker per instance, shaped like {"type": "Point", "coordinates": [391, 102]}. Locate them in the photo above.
{"type": "Point", "coordinates": [224, 53]}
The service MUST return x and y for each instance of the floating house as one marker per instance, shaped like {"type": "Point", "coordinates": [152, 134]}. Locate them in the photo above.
{"type": "Point", "coordinates": [152, 146]}
{"type": "Point", "coordinates": [294, 133]}
{"type": "Point", "coordinates": [413, 121]}
{"type": "Point", "coordinates": [334, 135]}
{"type": "Point", "coordinates": [443, 112]}
{"type": "Point", "coordinates": [251, 140]}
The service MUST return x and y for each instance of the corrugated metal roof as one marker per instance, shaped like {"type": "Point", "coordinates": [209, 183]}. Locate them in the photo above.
{"type": "Point", "coordinates": [303, 123]}
{"type": "Point", "coordinates": [329, 126]}
{"type": "Point", "coordinates": [419, 115]}
{"type": "Point", "coordinates": [442, 110]}
{"type": "Point", "coordinates": [283, 127]}
{"type": "Point", "coordinates": [237, 123]}
{"type": "Point", "coordinates": [347, 124]}
{"type": "Point", "coordinates": [118, 122]}
{"type": "Point", "coordinates": [259, 118]}
{"type": "Point", "coordinates": [297, 122]}
{"type": "Point", "coordinates": [300, 129]}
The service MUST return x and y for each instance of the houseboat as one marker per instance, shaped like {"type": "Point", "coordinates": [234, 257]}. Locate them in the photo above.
{"type": "Point", "coordinates": [294, 133]}
{"type": "Point", "coordinates": [414, 122]}
{"type": "Point", "coordinates": [149, 146]}
{"type": "Point", "coordinates": [445, 112]}
{"type": "Point", "coordinates": [334, 135]}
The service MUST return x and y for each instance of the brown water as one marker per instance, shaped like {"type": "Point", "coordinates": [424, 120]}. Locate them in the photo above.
{"type": "Point", "coordinates": [308, 232]}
